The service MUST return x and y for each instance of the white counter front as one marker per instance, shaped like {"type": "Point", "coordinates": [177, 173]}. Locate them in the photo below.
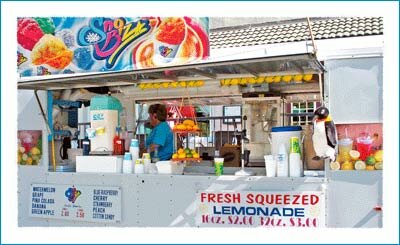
{"type": "Point", "coordinates": [342, 199]}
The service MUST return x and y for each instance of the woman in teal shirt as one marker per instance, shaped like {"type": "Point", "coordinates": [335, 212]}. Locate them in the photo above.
{"type": "Point", "coordinates": [161, 137]}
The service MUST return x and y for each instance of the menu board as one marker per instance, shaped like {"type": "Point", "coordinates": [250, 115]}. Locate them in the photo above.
{"type": "Point", "coordinates": [261, 209]}
{"type": "Point", "coordinates": [76, 202]}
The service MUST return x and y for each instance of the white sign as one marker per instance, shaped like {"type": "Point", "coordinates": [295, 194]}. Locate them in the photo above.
{"type": "Point", "coordinates": [261, 209]}
{"type": "Point", "coordinates": [76, 202]}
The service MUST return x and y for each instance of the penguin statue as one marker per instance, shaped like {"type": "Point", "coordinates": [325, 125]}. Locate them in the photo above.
{"type": "Point", "coordinates": [324, 136]}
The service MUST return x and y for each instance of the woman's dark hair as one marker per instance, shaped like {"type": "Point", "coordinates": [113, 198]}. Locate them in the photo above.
{"type": "Point", "coordinates": [160, 110]}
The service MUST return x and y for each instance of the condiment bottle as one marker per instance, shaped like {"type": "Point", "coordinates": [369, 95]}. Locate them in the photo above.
{"type": "Point", "coordinates": [295, 162]}
{"type": "Point", "coordinates": [119, 144]}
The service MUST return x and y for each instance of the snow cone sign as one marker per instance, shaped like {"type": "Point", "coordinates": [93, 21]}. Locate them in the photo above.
{"type": "Point", "coordinates": [65, 45]}
{"type": "Point", "coordinates": [261, 209]}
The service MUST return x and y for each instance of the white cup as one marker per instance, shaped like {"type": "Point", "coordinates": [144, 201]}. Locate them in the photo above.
{"type": "Point", "coordinates": [270, 165]}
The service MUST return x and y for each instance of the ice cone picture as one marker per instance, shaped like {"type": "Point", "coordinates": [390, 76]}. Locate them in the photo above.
{"type": "Point", "coordinates": [169, 38]}
{"type": "Point", "coordinates": [28, 33]}
{"type": "Point", "coordinates": [52, 51]}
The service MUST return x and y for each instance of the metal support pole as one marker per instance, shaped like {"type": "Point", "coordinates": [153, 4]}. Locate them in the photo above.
{"type": "Point", "coordinates": [48, 129]}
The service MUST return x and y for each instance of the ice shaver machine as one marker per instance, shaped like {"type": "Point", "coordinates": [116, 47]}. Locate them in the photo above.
{"type": "Point", "coordinates": [104, 118]}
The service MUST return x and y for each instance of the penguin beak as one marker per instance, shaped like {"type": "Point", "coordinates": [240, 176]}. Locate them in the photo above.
{"type": "Point", "coordinates": [315, 118]}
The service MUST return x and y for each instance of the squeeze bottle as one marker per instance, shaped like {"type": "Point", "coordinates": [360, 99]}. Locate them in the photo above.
{"type": "Point", "coordinates": [295, 162]}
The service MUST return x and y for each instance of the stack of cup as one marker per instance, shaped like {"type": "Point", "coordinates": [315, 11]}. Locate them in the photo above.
{"type": "Point", "coordinates": [127, 165]}
{"type": "Point", "coordinates": [146, 162]}
{"type": "Point", "coordinates": [270, 166]}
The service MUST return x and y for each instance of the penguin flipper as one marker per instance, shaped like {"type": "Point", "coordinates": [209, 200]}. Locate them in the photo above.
{"type": "Point", "coordinates": [331, 134]}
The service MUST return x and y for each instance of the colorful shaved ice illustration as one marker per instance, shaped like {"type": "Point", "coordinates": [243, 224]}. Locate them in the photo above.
{"type": "Point", "coordinates": [172, 31]}
{"type": "Point", "coordinates": [46, 24]}
{"type": "Point", "coordinates": [52, 51]}
{"type": "Point", "coordinates": [28, 33]}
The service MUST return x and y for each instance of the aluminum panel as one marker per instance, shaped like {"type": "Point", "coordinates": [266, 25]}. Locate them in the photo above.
{"type": "Point", "coordinates": [356, 83]}
{"type": "Point", "coordinates": [352, 197]}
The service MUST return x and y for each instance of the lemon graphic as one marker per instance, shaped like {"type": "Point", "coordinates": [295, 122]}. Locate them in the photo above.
{"type": "Point", "coordinates": [334, 165]}
{"type": "Point", "coordinates": [379, 166]}
{"type": "Point", "coordinates": [165, 84]}
{"type": "Point", "coordinates": [347, 166]}
{"type": "Point", "coordinates": [243, 81]}
{"type": "Point", "coordinates": [360, 165]}
{"type": "Point", "coordinates": [370, 167]}
{"type": "Point", "coordinates": [252, 80]}
{"type": "Point", "coordinates": [287, 78]}
{"type": "Point", "coordinates": [199, 83]}
{"type": "Point", "coordinates": [378, 156]}
{"type": "Point", "coordinates": [307, 77]}
{"type": "Point", "coordinates": [191, 83]}
{"type": "Point", "coordinates": [269, 79]}
{"type": "Point", "coordinates": [234, 81]}
{"type": "Point", "coordinates": [298, 77]}
{"type": "Point", "coordinates": [260, 79]}
{"type": "Point", "coordinates": [277, 79]}
{"type": "Point", "coordinates": [354, 155]}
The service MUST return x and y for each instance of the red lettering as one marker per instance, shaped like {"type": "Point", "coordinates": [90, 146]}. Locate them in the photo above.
{"type": "Point", "coordinates": [260, 199]}
{"type": "Point", "coordinates": [220, 197]}
{"type": "Point", "coordinates": [314, 199]}
{"type": "Point", "coordinates": [286, 199]}
{"type": "Point", "coordinates": [236, 198]}
{"type": "Point", "coordinates": [304, 200]}
{"type": "Point", "coordinates": [269, 199]}
{"type": "Point", "coordinates": [278, 199]}
{"type": "Point", "coordinates": [203, 196]}
{"type": "Point", "coordinates": [211, 197]}
{"type": "Point", "coordinates": [296, 200]}
{"type": "Point", "coordinates": [249, 198]}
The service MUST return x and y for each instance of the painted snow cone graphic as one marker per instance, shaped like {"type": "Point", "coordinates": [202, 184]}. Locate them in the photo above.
{"type": "Point", "coordinates": [36, 35]}
{"type": "Point", "coordinates": [28, 33]}
{"type": "Point", "coordinates": [169, 37]}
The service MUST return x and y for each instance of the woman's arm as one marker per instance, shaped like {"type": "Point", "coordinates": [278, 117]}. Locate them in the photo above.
{"type": "Point", "coordinates": [152, 147]}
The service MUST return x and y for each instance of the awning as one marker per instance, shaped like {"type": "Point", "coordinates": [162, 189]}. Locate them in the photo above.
{"type": "Point", "coordinates": [206, 70]}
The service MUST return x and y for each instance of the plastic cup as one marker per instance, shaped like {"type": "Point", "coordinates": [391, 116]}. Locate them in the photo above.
{"type": "Point", "coordinates": [364, 146]}
{"type": "Point", "coordinates": [270, 166]}
{"type": "Point", "coordinates": [219, 166]}
{"type": "Point", "coordinates": [345, 146]}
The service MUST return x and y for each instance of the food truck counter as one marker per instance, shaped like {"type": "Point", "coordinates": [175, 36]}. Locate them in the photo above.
{"type": "Point", "coordinates": [105, 199]}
